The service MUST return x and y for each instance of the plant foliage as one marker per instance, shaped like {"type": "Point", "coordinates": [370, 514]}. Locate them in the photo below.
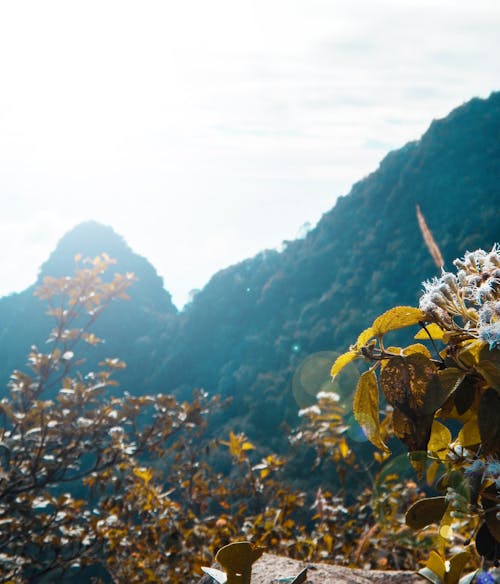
{"type": "Point", "coordinates": [443, 403]}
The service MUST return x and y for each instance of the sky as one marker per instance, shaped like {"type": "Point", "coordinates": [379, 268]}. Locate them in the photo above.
{"type": "Point", "coordinates": [206, 131]}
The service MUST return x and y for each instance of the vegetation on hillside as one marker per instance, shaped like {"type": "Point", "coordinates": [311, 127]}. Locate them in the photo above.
{"type": "Point", "coordinates": [83, 463]}
{"type": "Point", "coordinates": [126, 489]}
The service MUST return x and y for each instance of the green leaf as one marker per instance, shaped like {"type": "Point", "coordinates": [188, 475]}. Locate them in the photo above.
{"type": "Point", "coordinates": [426, 511]}
{"type": "Point", "coordinates": [366, 408]}
{"type": "Point", "coordinates": [397, 318]}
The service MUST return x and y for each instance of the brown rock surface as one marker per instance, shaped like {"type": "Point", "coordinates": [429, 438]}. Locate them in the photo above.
{"type": "Point", "coordinates": [270, 567]}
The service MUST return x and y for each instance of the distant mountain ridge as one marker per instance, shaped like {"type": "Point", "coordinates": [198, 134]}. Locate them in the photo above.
{"type": "Point", "coordinates": [246, 332]}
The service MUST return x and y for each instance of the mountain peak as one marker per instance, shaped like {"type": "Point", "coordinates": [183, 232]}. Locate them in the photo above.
{"type": "Point", "coordinates": [92, 238]}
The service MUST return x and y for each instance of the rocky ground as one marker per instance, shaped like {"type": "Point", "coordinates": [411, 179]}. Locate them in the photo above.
{"type": "Point", "coordinates": [271, 569]}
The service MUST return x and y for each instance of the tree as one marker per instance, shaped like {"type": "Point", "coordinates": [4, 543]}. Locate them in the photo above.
{"type": "Point", "coordinates": [75, 490]}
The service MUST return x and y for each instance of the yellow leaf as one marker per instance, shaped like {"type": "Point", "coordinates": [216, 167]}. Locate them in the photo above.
{"type": "Point", "coordinates": [435, 332]}
{"type": "Point", "coordinates": [432, 470]}
{"type": "Point", "coordinates": [439, 440]}
{"type": "Point", "coordinates": [366, 406]}
{"type": "Point", "coordinates": [397, 318]}
{"type": "Point", "coordinates": [143, 473]}
{"type": "Point", "coordinates": [342, 361]}
{"type": "Point", "coordinates": [364, 337]}
{"type": "Point", "coordinates": [417, 348]}
{"type": "Point", "coordinates": [247, 446]}
{"type": "Point", "coordinates": [446, 529]}
{"type": "Point", "coordinates": [436, 564]}
{"type": "Point", "coordinates": [328, 539]}
{"type": "Point", "coordinates": [469, 434]}
{"type": "Point", "coordinates": [344, 448]}
{"type": "Point", "coordinates": [469, 355]}
{"type": "Point", "coordinates": [264, 472]}
{"type": "Point", "coordinates": [234, 444]}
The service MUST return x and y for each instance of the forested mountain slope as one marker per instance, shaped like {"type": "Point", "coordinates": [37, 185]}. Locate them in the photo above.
{"type": "Point", "coordinates": [246, 332]}
{"type": "Point", "coordinates": [249, 328]}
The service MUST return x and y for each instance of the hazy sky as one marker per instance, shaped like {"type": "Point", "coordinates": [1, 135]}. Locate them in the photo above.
{"type": "Point", "coordinates": [205, 131]}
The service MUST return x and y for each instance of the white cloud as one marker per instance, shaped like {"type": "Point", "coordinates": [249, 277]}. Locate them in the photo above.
{"type": "Point", "coordinates": [206, 131]}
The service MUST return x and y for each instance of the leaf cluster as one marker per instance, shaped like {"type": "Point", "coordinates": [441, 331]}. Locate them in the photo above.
{"type": "Point", "coordinates": [443, 403]}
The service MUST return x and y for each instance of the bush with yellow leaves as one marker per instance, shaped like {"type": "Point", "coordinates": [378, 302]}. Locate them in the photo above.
{"type": "Point", "coordinates": [443, 399]}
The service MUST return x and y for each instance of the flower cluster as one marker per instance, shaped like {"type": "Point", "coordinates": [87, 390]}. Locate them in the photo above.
{"type": "Point", "coordinates": [472, 295]}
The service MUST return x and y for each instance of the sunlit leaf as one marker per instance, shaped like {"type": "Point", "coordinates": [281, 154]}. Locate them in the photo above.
{"type": "Point", "coordinates": [440, 440]}
{"type": "Point", "coordinates": [364, 337]}
{"type": "Point", "coordinates": [366, 408]}
{"type": "Point", "coordinates": [397, 318]}
{"type": "Point", "coordinates": [342, 361]}
{"type": "Point", "coordinates": [431, 473]}
{"type": "Point", "coordinates": [469, 354]}
{"type": "Point", "coordinates": [343, 448]}
{"type": "Point", "coordinates": [144, 474]}
{"type": "Point", "coordinates": [417, 348]}
{"type": "Point", "coordinates": [436, 565]}
{"type": "Point", "coordinates": [469, 434]}
{"type": "Point", "coordinates": [446, 526]}
{"type": "Point", "coordinates": [433, 330]}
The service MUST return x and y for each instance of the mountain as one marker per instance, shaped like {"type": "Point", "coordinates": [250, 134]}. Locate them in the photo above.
{"type": "Point", "coordinates": [247, 331]}
{"type": "Point", "coordinates": [129, 328]}
{"type": "Point", "coordinates": [254, 323]}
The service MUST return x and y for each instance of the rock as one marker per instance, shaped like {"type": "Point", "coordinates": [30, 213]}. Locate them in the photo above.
{"type": "Point", "coordinates": [271, 568]}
